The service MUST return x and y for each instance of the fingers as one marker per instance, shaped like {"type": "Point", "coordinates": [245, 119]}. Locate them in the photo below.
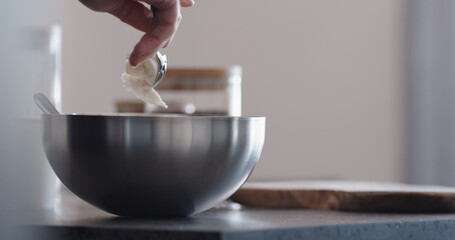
{"type": "Point", "coordinates": [165, 23]}
{"type": "Point", "coordinates": [160, 26]}
{"type": "Point", "coordinates": [134, 14]}
{"type": "Point", "coordinates": [179, 19]}
{"type": "Point", "coordinates": [102, 5]}
{"type": "Point", "coordinates": [151, 42]}
{"type": "Point", "coordinates": [186, 3]}
{"type": "Point", "coordinates": [183, 3]}
{"type": "Point", "coordinates": [166, 20]}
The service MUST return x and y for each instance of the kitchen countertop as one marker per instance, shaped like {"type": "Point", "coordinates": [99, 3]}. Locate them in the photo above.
{"type": "Point", "coordinates": [246, 223]}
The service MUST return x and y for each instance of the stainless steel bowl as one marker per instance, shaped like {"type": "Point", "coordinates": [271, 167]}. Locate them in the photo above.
{"type": "Point", "coordinates": [152, 165]}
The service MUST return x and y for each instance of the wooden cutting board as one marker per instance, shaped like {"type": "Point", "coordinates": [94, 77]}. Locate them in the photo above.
{"type": "Point", "coordinates": [347, 196]}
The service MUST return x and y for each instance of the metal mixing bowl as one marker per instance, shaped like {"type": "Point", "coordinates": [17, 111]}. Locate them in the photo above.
{"type": "Point", "coordinates": [152, 165]}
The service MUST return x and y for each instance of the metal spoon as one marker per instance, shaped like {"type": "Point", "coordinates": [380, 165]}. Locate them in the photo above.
{"type": "Point", "coordinates": [162, 69]}
{"type": "Point", "coordinates": [45, 104]}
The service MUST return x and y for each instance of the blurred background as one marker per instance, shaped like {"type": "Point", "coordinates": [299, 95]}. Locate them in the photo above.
{"type": "Point", "coordinates": [352, 90]}
{"type": "Point", "coordinates": [329, 77]}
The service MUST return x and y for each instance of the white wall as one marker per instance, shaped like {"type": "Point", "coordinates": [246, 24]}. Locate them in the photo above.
{"type": "Point", "coordinates": [329, 76]}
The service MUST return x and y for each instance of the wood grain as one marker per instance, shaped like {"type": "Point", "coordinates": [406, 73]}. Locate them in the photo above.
{"type": "Point", "coordinates": [348, 196]}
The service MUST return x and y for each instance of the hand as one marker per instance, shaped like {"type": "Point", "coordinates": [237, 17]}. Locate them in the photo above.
{"type": "Point", "coordinates": [159, 26]}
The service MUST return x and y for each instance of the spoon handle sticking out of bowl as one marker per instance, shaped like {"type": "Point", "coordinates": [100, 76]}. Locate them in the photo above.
{"type": "Point", "coordinates": [45, 104]}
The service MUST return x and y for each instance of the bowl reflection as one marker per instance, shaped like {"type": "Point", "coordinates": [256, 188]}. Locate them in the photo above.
{"type": "Point", "coordinates": [152, 165]}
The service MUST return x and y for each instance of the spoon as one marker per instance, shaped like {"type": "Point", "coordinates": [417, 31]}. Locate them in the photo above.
{"type": "Point", "coordinates": [162, 69]}
{"type": "Point", "coordinates": [45, 104]}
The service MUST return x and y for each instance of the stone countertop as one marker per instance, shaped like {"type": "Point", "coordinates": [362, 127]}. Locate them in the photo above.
{"type": "Point", "coordinates": [245, 223]}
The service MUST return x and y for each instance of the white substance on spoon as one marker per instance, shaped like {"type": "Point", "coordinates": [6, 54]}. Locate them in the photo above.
{"type": "Point", "coordinates": [137, 80]}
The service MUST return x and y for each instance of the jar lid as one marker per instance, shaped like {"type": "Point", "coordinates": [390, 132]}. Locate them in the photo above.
{"type": "Point", "coordinates": [200, 78]}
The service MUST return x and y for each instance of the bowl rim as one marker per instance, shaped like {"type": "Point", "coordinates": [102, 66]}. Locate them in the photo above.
{"type": "Point", "coordinates": [154, 115]}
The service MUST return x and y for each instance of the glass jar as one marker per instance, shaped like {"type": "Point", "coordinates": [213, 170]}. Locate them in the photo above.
{"type": "Point", "coordinates": [201, 91]}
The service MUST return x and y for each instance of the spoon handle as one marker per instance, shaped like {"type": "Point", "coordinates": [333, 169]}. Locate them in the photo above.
{"type": "Point", "coordinates": [45, 104]}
